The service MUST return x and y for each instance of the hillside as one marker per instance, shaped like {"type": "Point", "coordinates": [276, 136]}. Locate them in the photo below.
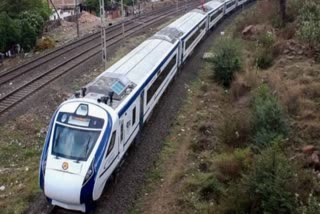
{"type": "Point", "coordinates": [247, 138]}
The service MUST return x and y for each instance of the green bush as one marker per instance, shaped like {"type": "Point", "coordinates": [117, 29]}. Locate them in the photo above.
{"type": "Point", "coordinates": [268, 117]}
{"type": "Point", "coordinates": [227, 60]}
{"type": "Point", "coordinates": [264, 59]}
{"type": "Point", "coordinates": [268, 187]}
{"type": "Point", "coordinates": [34, 19]}
{"type": "Point", "coordinates": [309, 29]}
{"type": "Point", "coordinates": [207, 187]}
{"type": "Point", "coordinates": [235, 129]}
{"type": "Point", "coordinates": [265, 52]}
{"type": "Point", "coordinates": [28, 34]}
{"type": "Point", "coordinates": [270, 184]}
{"type": "Point", "coordinates": [9, 32]}
{"type": "Point", "coordinates": [312, 206]}
{"type": "Point", "coordinates": [22, 22]}
{"type": "Point", "coordinates": [230, 166]}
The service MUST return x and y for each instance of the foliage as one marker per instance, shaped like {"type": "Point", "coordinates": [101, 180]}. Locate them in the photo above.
{"type": "Point", "coordinates": [309, 30]}
{"type": "Point", "coordinates": [235, 129]}
{"type": "Point", "coordinates": [94, 4]}
{"type": "Point", "coordinates": [268, 117]}
{"type": "Point", "coordinates": [45, 43]}
{"type": "Point", "coordinates": [270, 184]}
{"type": "Point", "coordinates": [206, 185]}
{"type": "Point", "coordinates": [15, 7]}
{"type": "Point", "coordinates": [227, 60]}
{"type": "Point", "coordinates": [28, 34]}
{"type": "Point", "coordinates": [265, 53]}
{"type": "Point", "coordinates": [21, 22]}
{"type": "Point", "coordinates": [264, 59]}
{"type": "Point", "coordinates": [312, 207]}
{"type": "Point", "coordinates": [230, 166]}
{"type": "Point", "coordinates": [36, 21]}
{"type": "Point", "coordinates": [9, 32]}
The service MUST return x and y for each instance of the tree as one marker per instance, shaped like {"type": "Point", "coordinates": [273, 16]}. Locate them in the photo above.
{"type": "Point", "coordinates": [15, 7]}
{"type": "Point", "coordinates": [9, 32]}
{"type": "Point", "coordinates": [283, 5]}
{"type": "Point", "coordinates": [21, 21]}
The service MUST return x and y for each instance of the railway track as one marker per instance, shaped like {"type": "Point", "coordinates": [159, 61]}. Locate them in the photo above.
{"type": "Point", "coordinates": [53, 65]}
{"type": "Point", "coordinates": [7, 75]}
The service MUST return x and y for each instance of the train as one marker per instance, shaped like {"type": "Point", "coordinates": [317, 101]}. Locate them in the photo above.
{"type": "Point", "coordinates": [90, 133]}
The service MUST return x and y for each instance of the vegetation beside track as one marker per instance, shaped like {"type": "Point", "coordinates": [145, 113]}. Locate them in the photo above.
{"type": "Point", "coordinates": [21, 22]}
{"type": "Point", "coordinates": [250, 146]}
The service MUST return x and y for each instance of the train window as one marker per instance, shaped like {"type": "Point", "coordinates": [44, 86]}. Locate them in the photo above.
{"type": "Point", "coordinates": [231, 4]}
{"type": "Point", "coordinates": [162, 76]}
{"type": "Point", "coordinates": [195, 36]}
{"type": "Point", "coordinates": [112, 142]}
{"type": "Point", "coordinates": [121, 131]}
{"type": "Point", "coordinates": [74, 143]}
{"type": "Point", "coordinates": [215, 15]}
{"type": "Point", "coordinates": [134, 116]}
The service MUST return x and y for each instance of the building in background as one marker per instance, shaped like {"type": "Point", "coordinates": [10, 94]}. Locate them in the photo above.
{"type": "Point", "coordinates": [65, 8]}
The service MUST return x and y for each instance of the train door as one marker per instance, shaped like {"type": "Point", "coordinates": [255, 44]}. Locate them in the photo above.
{"type": "Point", "coordinates": [110, 161]}
{"type": "Point", "coordinates": [141, 109]}
{"type": "Point", "coordinates": [122, 136]}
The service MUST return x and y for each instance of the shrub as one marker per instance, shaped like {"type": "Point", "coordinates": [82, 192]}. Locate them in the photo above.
{"type": "Point", "coordinates": [227, 60]}
{"type": "Point", "coordinates": [264, 59]}
{"type": "Point", "coordinates": [206, 186]}
{"type": "Point", "coordinates": [270, 184]}
{"type": "Point", "coordinates": [235, 129]}
{"type": "Point", "coordinates": [265, 50]}
{"type": "Point", "coordinates": [230, 166]}
{"type": "Point", "coordinates": [309, 30]}
{"type": "Point", "coordinates": [9, 32]}
{"type": "Point", "coordinates": [34, 19]}
{"type": "Point", "coordinates": [244, 83]}
{"type": "Point", "coordinates": [268, 117]}
{"type": "Point", "coordinates": [312, 206]}
{"type": "Point", "coordinates": [45, 43]}
{"type": "Point", "coordinates": [28, 34]}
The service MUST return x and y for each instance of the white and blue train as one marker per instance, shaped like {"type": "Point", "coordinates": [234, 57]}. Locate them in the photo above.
{"type": "Point", "coordinates": [90, 133]}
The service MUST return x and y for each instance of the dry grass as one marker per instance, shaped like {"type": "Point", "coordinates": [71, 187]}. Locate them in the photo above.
{"type": "Point", "coordinates": [262, 14]}
{"type": "Point", "coordinates": [244, 83]}
{"type": "Point", "coordinates": [234, 131]}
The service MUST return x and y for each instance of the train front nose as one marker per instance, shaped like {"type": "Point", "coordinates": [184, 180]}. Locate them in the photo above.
{"type": "Point", "coordinates": [63, 187]}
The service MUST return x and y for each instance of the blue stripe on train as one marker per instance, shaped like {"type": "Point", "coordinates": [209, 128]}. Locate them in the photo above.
{"type": "Point", "coordinates": [87, 190]}
{"type": "Point", "coordinates": [45, 152]}
{"type": "Point", "coordinates": [134, 97]}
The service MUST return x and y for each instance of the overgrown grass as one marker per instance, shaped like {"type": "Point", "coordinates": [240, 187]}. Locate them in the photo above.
{"type": "Point", "coordinates": [19, 163]}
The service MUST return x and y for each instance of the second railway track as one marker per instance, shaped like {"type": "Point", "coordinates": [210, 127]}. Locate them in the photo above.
{"type": "Point", "coordinates": [74, 56]}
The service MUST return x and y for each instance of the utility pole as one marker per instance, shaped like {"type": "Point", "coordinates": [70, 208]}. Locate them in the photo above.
{"type": "Point", "coordinates": [76, 8]}
{"type": "Point", "coordinates": [177, 5]}
{"type": "Point", "coordinates": [103, 33]}
{"type": "Point", "coordinates": [122, 13]}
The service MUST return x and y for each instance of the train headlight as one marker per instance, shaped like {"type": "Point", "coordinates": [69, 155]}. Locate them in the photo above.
{"type": "Point", "coordinates": [89, 173]}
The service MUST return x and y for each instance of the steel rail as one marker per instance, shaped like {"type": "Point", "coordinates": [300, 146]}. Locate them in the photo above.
{"type": "Point", "coordinates": [18, 94]}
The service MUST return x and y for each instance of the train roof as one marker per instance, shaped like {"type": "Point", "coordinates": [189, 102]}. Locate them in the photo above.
{"type": "Point", "coordinates": [130, 72]}
{"type": "Point", "coordinates": [226, 1]}
{"type": "Point", "coordinates": [213, 5]}
{"type": "Point", "coordinates": [188, 21]}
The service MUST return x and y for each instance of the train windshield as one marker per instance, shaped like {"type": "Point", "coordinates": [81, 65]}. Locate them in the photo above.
{"type": "Point", "coordinates": [74, 143]}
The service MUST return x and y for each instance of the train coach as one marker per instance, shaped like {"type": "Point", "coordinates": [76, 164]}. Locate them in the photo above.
{"type": "Point", "coordinates": [90, 133]}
